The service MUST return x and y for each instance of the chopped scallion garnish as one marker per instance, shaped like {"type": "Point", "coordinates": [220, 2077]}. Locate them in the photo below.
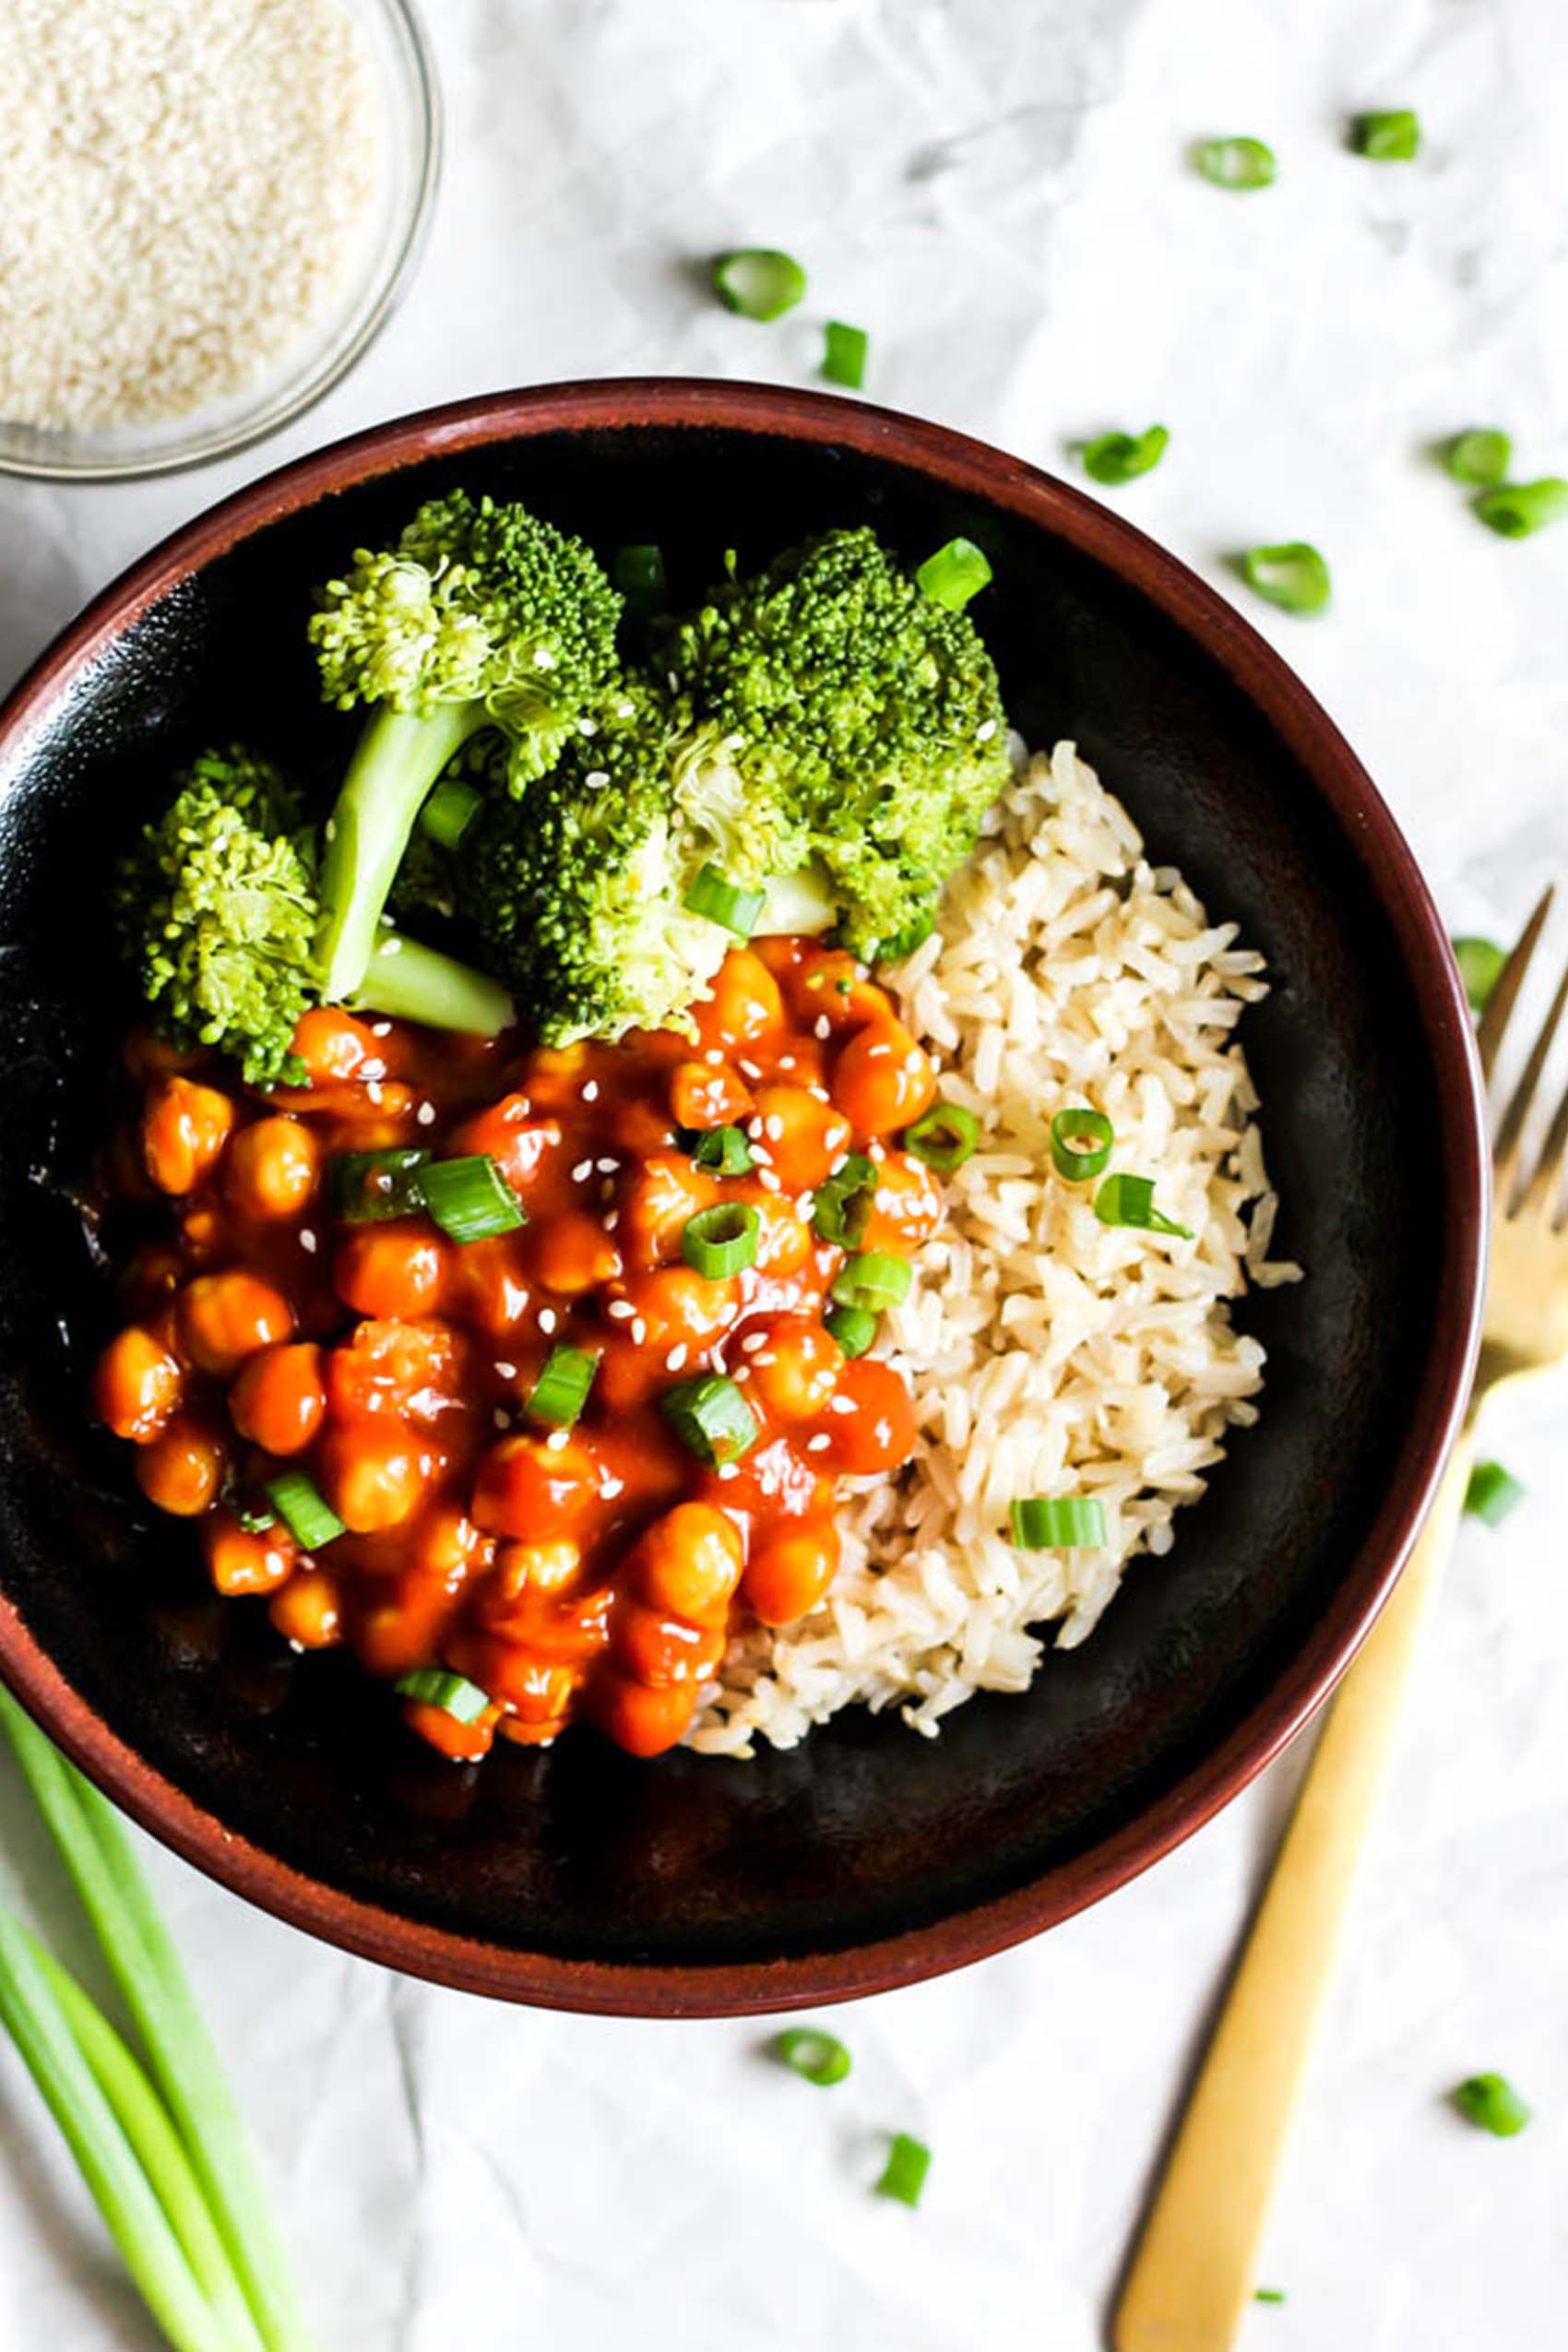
{"type": "Point", "coordinates": [367, 1186]}
{"type": "Point", "coordinates": [1480, 457]}
{"type": "Point", "coordinates": [1479, 962]}
{"type": "Point", "coordinates": [1392, 134]}
{"type": "Point", "coordinates": [723, 1151]}
{"type": "Point", "coordinates": [758, 281]}
{"type": "Point", "coordinates": [722, 1241]}
{"type": "Point", "coordinates": [1080, 1143]}
{"type": "Point", "coordinates": [1115, 457]}
{"type": "Point", "coordinates": [711, 1419]}
{"type": "Point", "coordinates": [432, 1686]}
{"type": "Point", "coordinates": [1517, 508]}
{"type": "Point", "coordinates": [1492, 1493]}
{"type": "Point", "coordinates": [873, 1279]}
{"type": "Point", "coordinates": [1129, 1200]}
{"type": "Point", "coordinates": [820, 2057]}
{"type": "Point", "coordinates": [842, 1203]}
{"type": "Point", "coordinates": [944, 1137]}
{"type": "Point", "coordinates": [303, 1510]}
{"type": "Point", "coordinates": [844, 354]}
{"type": "Point", "coordinates": [722, 901]}
{"type": "Point", "coordinates": [853, 1327]}
{"type": "Point", "coordinates": [561, 1391]}
{"type": "Point", "coordinates": [955, 574]}
{"type": "Point", "coordinates": [1292, 574]}
{"type": "Point", "coordinates": [1490, 2102]}
{"type": "Point", "coordinates": [1235, 162]}
{"type": "Point", "coordinates": [903, 2176]}
{"type": "Point", "coordinates": [640, 576]}
{"type": "Point", "coordinates": [471, 1199]}
{"type": "Point", "coordinates": [1058, 1523]}
{"type": "Point", "coordinates": [1268, 2295]}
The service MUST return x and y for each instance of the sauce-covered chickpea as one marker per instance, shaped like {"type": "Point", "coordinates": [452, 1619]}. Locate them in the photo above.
{"type": "Point", "coordinates": [138, 1384]}
{"type": "Point", "coordinates": [801, 1139]}
{"type": "Point", "coordinates": [184, 1128]}
{"type": "Point", "coordinates": [883, 1080]}
{"type": "Point", "coordinates": [280, 1397]}
{"type": "Point", "coordinates": [181, 1469]}
{"type": "Point", "coordinates": [796, 1369]}
{"type": "Point", "coordinates": [273, 1168]}
{"type": "Point", "coordinates": [373, 1472]}
{"type": "Point", "coordinates": [790, 1569]}
{"type": "Point", "coordinates": [246, 1559]}
{"type": "Point", "coordinates": [223, 1318]}
{"type": "Point", "coordinates": [399, 1269]}
{"type": "Point", "coordinates": [743, 1007]}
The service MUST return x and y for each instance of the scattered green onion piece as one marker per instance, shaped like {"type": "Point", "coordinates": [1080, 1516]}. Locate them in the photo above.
{"type": "Point", "coordinates": [758, 281]}
{"type": "Point", "coordinates": [853, 1327]}
{"type": "Point", "coordinates": [1492, 1493]}
{"type": "Point", "coordinates": [842, 1203]}
{"type": "Point", "coordinates": [1268, 2295]}
{"type": "Point", "coordinates": [303, 1510]}
{"type": "Point", "coordinates": [1391, 135]}
{"type": "Point", "coordinates": [944, 1137]}
{"type": "Point", "coordinates": [1115, 457]}
{"type": "Point", "coordinates": [1491, 2104]}
{"type": "Point", "coordinates": [1479, 962]}
{"type": "Point", "coordinates": [816, 2057]}
{"type": "Point", "coordinates": [1292, 574]}
{"type": "Point", "coordinates": [367, 1186]}
{"type": "Point", "coordinates": [561, 1391]}
{"type": "Point", "coordinates": [1480, 457]}
{"type": "Point", "coordinates": [1129, 1200]}
{"type": "Point", "coordinates": [711, 1419]}
{"type": "Point", "coordinates": [471, 1199]}
{"type": "Point", "coordinates": [1080, 1143]}
{"type": "Point", "coordinates": [903, 2177]}
{"type": "Point", "coordinates": [725, 902]}
{"type": "Point", "coordinates": [723, 1151]}
{"type": "Point", "coordinates": [1059, 1523]}
{"type": "Point", "coordinates": [955, 574]}
{"type": "Point", "coordinates": [432, 1686]}
{"type": "Point", "coordinates": [874, 1278]}
{"type": "Point", "coordinates": [1235, 162]}
{"type": "Point", "coordinates": [1516, 509]}
{"type": "Point", "coordinates": [844, 354]}
{"type": "Point", "coordinates": [449, 812]}
{"type": "Point", "coordinates": [722, 1241]}
{"type": "Point", "coordinates": [640, 576]}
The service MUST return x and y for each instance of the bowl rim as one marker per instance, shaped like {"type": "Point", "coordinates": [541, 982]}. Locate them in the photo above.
{"type": "Point", "coordinates": [957, 462]}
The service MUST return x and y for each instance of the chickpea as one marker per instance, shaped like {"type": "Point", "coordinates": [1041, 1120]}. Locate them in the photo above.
{"type": "Point", "coordinates": [446, 1546]}
{"type": "Point", "coordinates": [639, 1129]}
{"type": "Point", "coordinates": [784, 1242]}
{"type": "Point", "coordinates": [790, 1569]}
{"type": "Point", "coordinates": [882, 1079]}
{"type": "Point", "coordinates": [743, 1006]}
{"type": "Point", "coordinates": [371, 1472]}
{"type": "Point", "coordinates": [404, 1629]}
{"type": "Point", "coordinates": [462, 1742]}
{"type": "Point", "coordinates": [687, 1564]}
{"type": "Point", "coordinates": [541, 1692]}
{"type": "Point", "coordinates": [660, 1650]}
{"type": "Point", "coordinates": [391, 1367]}
{"type": "Point", "coordinates": [487, 1283]}
{"type": "Point", "coordinates": [707, 1093]}
{"type": "Point", "coordinates": [535, 1569]}
{"type": "Point", "coordinates": [223, 1318]}
{"type": "Point", "coordinates": [573, 1253]}
{"type": "Point", "coordinates": [396, 1269]}
{"type": "Point", "coordinates": [138, 1386]}
{"type": "Point", "coordinates": [797, 1371]}
{"type": "Point", "coordinates": [827, 984]}
{"type": "Point", "coordinates": [273, 1168]}
{"type": "Point", "coordinates": [537, 1687]}
{"type": "Point", "coordinates": [638, 1717]}
{"type": "Point", "coordinates": [655, 1203]}
{"type": "Point", "coordinates": [308, 1611]}
{"type": "Point", "coordinates": [333, 1045]}
{"type": "Point", "coordinates": [280, 1399]}
{"type": "Point", "coordinates": [555, 1076]}
{"type": "Point", "coordinates": [907, 1209]}
{"type": "Point", "coordinates": [241, 1561]}
{"type": "Point", "coordinates": [183, 1130]}
{"type": "Point", "coordinates": [804, 1139]}
{"type": "Point", "coordinates": [877, 1431]}
{"type": "Point", "coordinates": [534, 1491]}
{"type": "Point", "coordinates": [678, 1304]}
{"type": "Point", "coordinates": [519, 1142]}
{"type": "Point", "coordinates": [181, 1469]}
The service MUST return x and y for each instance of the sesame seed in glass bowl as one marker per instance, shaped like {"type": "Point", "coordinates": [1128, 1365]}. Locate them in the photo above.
{"type": "Point", "coordinates": [198, 240]}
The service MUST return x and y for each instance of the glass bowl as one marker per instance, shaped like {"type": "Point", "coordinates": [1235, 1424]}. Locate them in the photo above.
{"type": "Point", "coordinates": [375, 284]}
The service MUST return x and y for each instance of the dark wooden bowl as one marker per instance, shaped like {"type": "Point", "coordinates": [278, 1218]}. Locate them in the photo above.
{"type": "Point", "coordinates": [867, 1858]}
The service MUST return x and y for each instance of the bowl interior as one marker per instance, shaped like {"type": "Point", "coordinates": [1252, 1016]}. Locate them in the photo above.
{"type": "Point", "coordinates": [578, 1855]}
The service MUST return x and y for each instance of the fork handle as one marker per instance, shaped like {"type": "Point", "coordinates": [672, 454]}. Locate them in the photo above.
{"type": "Point", "coordinates": [1193, 2274]}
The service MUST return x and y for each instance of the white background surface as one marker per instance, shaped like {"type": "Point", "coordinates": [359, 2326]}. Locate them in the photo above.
{"type": "Point", "coordinates": [997, 190]}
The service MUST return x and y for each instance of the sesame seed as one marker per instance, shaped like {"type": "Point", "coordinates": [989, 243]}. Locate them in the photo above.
{"type": "Point", "coordinates": [672, 681]}
{"type": "Point", "coordinates": [771, 1358]}
{"type": "Point", "coordinates": [750, 1069]}
{"type": "Point", "coordinates": [819, 1094]}
{"type": "Point", "coordinates": [610, 1486]}
{"type": "Point", "coordinates": [728, 1470]}
{"type": "Point", "coordinates": [590, 1092]}
{"type": "Point", "coordinates": [381, 1028]}
{"type": "Point", "coordinates": [742, 1376]}
{"type": "Point", "coordinates": [374, 1090]}
{"type": "Point", "coordinates": [773, 1128]}
{"type": "Point", "coordinates": [818, 1444]}
{"type": "Point", "coordinates": [501, 1419]}
{"type": "Point", "coordinates": [548, 1319]}
{"type": "Point", "coordinates": [985, 733]}
{"type": "Point", "coordinates": [822, 1026]}
{"type": "Point", "coordinates": [768, 1180]}
{"type": "Point", "coordinates": [640, 1331]}
{"type": "Point", "coordinates": [506, 1372]}
{"type": "Point", "coordinates": [676, 1357]}
{"type": "Point", "coordinates": [583, 1168]}
{"type": "Point", "coordinates": [625, 710]}
{"type": "Point", "coordinates": [543, 657]}
{"type": "Point", "coordinates": [840, 1404]}
{"type": "Point", "coordinates": [607, 1166]}
{"type": "Point", "coordinates": [558, 1440]}
{"type": "Point", "coordinates": [308, 1242]}
{"type": "Point", "coordinates": [753, 1341]}
{"type": "Point", "coordinates": [587, 726]}
{"type": "Point", "coordinates": [876, 1052]}
{"type": "Point", "coordinates": [613, 1220]}
{"type": "Point", "coordinates": [754, 1126]}
{"type": "Point", "coordinates": [390, 946]}
{"type": "Point", "coordinates": [619, 1310]}
{"type": "Point", "coordinates": [713, 1055]}
{"type": "Point", "coordinates": [595, 780]}
{"type": "Point", "coordinates": [425, 1114]}
{"type": "Point", "coordinates": [786, 1062]}
{"type": "Point", "coordinates": [330, 830]}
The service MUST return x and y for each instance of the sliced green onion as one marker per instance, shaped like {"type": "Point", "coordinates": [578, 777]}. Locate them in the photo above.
{"type": "Point", "coordinates": [725, 902]}
{"type": "Point", "coordinates": [955, 574]}
{"type": "Point", "coordinates": [1268, 2295]}
{"type": "Point", "coordinates": [758, 281]}
{"type": "Point", "coordinates": [711, 1419]}
{"type": "Point", "coordinates": [1293, 576]}
{"type": "Point", "coordinates": [452, 1693]}
{"type": "Point", "coordinates": [1490, 2102]}
{"type": "Point", "coordinates": [722, 1241]}
{"type": "Point", "coordinates": [367, 1186]}
{"type": "Point", "coordinates": [944, 1137]}
{"type": "Point", "coordinates": [305, 1510]}
{"type": "Point", "coordinates": [1080, 1143]}
{"type": "Point", "coordinates": [1517, 508]}
{"type": "Point", "coordinates": [723, 1151]}
{"type": "Point", "coordinates": [1115, 457]}
{"type": "Point", "coordinates": [640, 576]}
{"type": "Point", "coordinates": [854, 1328]}
{"type": "Point", "coordinates": [842, 1203]}
{"type": "Point", "coordinates": [1235, 162]}
{"type": "Point", "coordinates": [903, 2177]}
{"type": "Point", "coordinates": [1059, 1523]}
{"type": "Point", "coordinates": [1492, 1493]}
{"type": "Point", "coordinates": [844, 354]}
{"type": "Point", "coordinates": [471, 1199]}
{"type": "Point", "coordinates": [873, 1279]}
{"type": "Point", "coordinates": [1479, 961]}
{"type": "Point", "coordinates": [561, 1391]}
{"type": "Point", "coordinates": [1129, 1200]}
{"type": "Point", "coordinates": [449, 812]}
{"type": "Point", "coordinates": [1480, 457]}
{"type": "Point", "coordinates": [1390, 135]}
{"type": "Point", "coordinates": [820, 2057]}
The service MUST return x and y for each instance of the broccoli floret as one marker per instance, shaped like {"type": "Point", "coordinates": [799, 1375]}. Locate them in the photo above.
{"type": "Point", "coordinates": [480, 617]}
{"type": "Point", "coordinates": [217, 908]}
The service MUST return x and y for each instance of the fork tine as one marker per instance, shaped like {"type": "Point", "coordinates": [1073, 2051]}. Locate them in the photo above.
{"type": "Point", "coordinates": [1510, 979]}
{"type": "Point", "coordinates": [1505, 1150]}
{"type": "Point", "coordinates": [1541, 1190]}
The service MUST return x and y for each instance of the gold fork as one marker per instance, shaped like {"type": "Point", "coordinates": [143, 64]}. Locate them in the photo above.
{"type": "Point", "coordinates": [1194, 2272]}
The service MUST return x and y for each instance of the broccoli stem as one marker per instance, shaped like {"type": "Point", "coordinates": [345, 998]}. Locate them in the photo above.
{"type": "Point", "coordinates": [803, 901]}
{"type": "Point", "coordinates": [412, 982]}
{"type": "Point", "coordinates": [396, 762]}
